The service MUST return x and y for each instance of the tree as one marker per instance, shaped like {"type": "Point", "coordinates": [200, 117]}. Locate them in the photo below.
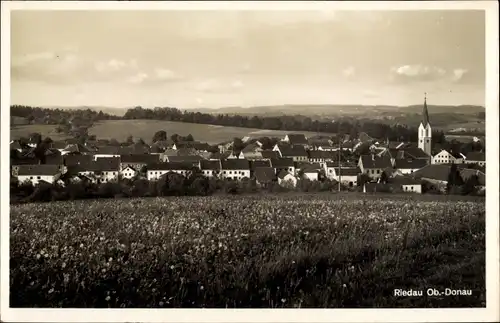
{"type": "Point", "coordinates": [470, 184]}
{"type": "Point", "coordinates": [363, 178]}
{"type": "Point", "coordinates": [384, 178]}
{"type": "Point", "coordinates": [36, 138]}
{"type": "Point", "coordinates": [130, 140]}
{"type": "Point", "coordinates": [454, 178]}
{"type": "Point", "coordinates": [159, 136]}
{"type": "Point", "coordinates": [175, 138]}
{"type": "Point", "coordinates": [189, 137]}
{"type": "Point", "coordinates": [140, 141]}
{"type": "Point", "coordinates": [238, 144]}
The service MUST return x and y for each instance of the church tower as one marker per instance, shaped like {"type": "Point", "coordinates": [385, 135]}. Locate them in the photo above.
{"type": "Point", "coordinates": [425, 131]}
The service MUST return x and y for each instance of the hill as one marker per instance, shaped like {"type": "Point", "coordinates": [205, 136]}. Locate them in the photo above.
{"type": "Point", "coordinates": [145, 129]}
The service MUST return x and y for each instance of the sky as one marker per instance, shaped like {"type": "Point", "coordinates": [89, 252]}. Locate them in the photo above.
{"type": "Point", "coordinates": [212, 59]}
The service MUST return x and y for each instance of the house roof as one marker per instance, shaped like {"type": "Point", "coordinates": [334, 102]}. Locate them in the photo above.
{"type": "Point", "coordinates": [250, 148]}
{"type": "Point", "coordinates": [38, 170]}
{"type": "Point", "coordinates": [235, 164]}
{"type": "Point", "coordinates": [283, 173]}
{"type": "Point", "coordinates": [170, 166]}
{"type": "Point", "coordinates": [58, 144]}
{"type": "Point", "coordinates": [364, 137]}
{"type": "Point", "coordinates": [310, 168]}
{"type": "Point", "coordinates": [218, 155]}
{"type": "Point", "coordinates": [270, 154]}
{"type": "Point", "coordinates": [410, 163]}
{"type": "Point", "coordinates": [210, 165]}
{"type": "Point", "coordinates": [103, 165]}
{"type": "Point", "coordinates": [76, 148]}
{"type": "Point", "coordinates": [139, 159]}
{"type": "Point", "coordinates": [404, 180]}
{"type": "Point", "coordinates": [413, 152]}
{"type": "Point", "coordinates": [186, 151]}
{"type": "Point", "coordinates": [259, 163]}
{"type": "Point", "coordinates": [187, 158]}
{"type": "Point", "coordinates": [476, 156]}
{"type": "Point", "coordinates": [348, 171]}
{"type": "Point", "coordinates": [54, 159]}
{"type": "Point", "coordinates": [281, 162]}
{"type": "Point", "coordinates": [170, 152]}
{"type": "Point", "coordinates": [435, 171]}
{"type": "Point", "coordinates": [293, 151]}
{"type": "Point", "coordinates": [315, 154]}
{"type": "Point", "coordinates": [467, 172]}
{"type": "Point", "coordinates": [297, 138]}
{"type": "Point", "coordinates": [15, 145]}
{"type": "Point", "coordinates": [70, 160]}
{"type": "Point", "coordinates": [108, 150]}
{"type": "Point", "coordinates": [25, 161]}
{"type": "Point", "coordinates": [372, 161]}
{"type": "Point", "coordinates": [265, 174]}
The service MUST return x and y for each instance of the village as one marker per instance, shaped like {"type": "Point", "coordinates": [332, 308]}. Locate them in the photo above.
{"type": "Point", "coordinates": [389, 166]}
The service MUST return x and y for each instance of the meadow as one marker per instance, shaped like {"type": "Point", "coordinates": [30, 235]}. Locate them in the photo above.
{"type": "Point", "coordinates": [212, 134]}
{"type": "Point", "coordinates": [272, 251]}
{"type": "Point", "coordinates": [46, 130]}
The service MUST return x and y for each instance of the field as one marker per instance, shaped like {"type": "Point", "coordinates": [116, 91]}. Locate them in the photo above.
{"type": "Point", "coordinates": [45, 130]}
{"type": "Point", "coordinates": [145, 129]}
{"type": "Point", "coordinates": [324, 250]}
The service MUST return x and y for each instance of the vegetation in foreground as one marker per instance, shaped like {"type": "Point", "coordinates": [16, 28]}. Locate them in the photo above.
{"type": "Point", "coordinates": [246, 251]}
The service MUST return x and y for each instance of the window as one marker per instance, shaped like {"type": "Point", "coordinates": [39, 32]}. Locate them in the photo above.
{"type": "Point", "coordinates": [412, 188]}
{"type": "Point", "coordinates": [378, 171]}
{"type": "Point", "coordinates": [38, 177]}
{"type": "Point", "coordinates": [223, 172]}
{"type": "Point", "coordinates": [31, 177]}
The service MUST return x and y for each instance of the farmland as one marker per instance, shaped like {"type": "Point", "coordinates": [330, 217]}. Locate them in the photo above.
{"type": "Point", "coordinates": [303, 250]}
{"type": "Point", "coordinates": [212, 134]}
{"type": "Point", "coordinates": [46, 130]}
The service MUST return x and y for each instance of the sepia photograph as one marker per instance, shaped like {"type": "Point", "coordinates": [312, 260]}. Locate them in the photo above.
{"type": "Point", "coordinates": [267, 157]}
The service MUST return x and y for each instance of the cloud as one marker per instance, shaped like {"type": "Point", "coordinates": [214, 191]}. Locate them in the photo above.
{"type": "Point", "coordinates": [163, 74]}
{"type": "Point", "coordinates": [349, 72]}
{"type": "Point", "coordinates": [458, 74]}
{"type": "Point", "coordinates": [138, 78]}
{"type": "Point", "coordinates": [417, 73]}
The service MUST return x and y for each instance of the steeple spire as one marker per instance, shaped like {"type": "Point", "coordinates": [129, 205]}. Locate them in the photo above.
{"type": "Point", "coordinates": [425, 113]}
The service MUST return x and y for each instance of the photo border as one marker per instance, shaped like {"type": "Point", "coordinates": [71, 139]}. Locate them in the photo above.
{"type": "Point", "coordinates": [490, 313]}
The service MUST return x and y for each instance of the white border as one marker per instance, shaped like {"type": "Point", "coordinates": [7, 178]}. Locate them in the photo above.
{"type": "Point", "coordinates": [490, 314]}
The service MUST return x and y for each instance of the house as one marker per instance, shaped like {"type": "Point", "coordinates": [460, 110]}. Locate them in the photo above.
{"type": "Point", "coordinates": [380, 188]}
{"type": "Point", "coordinates": [270, 154]}
{"type": "Point", "coordinates": [466, 173]}
{"type": "Point", "coordinates": [72, 160]}
{"type": "Point", "coordinates": [280, 164]}
{"type": "Point", "coordinates": [162, 145]}
{"type": "Point", "coordinates": [407, 184]}
{"type": "Point", "coordinates": [445, 157]}
{"type": "Point", "coordinates": [316, 156]}
{"type": "Point", "coordinates": [296, 153]}
{"type": "Point", "coordinates": [296, 139]}
{"type": "Point", "coordinates": [106, 152]}
{"type": "Point", "coordinates": [287, 179]}
{"type": "Point", "coordinates": [101, 170]}
{"type": "Point", "coordinates": [373, 165]}
{"type": "Point", "coordinates": [252, 151]}
{"type": "Point", "coordinates": [264, 176]}
{"type": "Point", "coordinates": [75, 149]}
{"type": "Point", "coordinates": [138, 161]}
{"type": "Point", "coordinates": [348, 175]}
{"type": "Point", "coordinates": [129, 172]}
{"type": "Point", "coordinates": [236, 155]}
{"type": "Point", "coordinates": [192, 159]}
{"type": "Point", "coordinates": [408, 166]}
{"type": "Point", "coordinates": [38, 173]}
{"type": "Point", "coordinates": [15, 164]}
{"type": "Point", "coordinates": [235, 169]}
{"type": "Point", "coordinates": [321, 144]}
{"type": "Point", "coordinates": [210, 168]}
{"type": "Point", "coordinates": [436, 174]}
{"type": "Point", "coordinates": [155, 171]}
{"type": "Point", "coordinates": [310, 171]}
{"type": "Point", "coordinates": [259, 163]}
{"type": "Point", "coordinates": [474, 157]}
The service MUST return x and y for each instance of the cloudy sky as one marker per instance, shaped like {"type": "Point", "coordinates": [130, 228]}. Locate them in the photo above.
{"type": "Point", "coordinates": [192, 59]}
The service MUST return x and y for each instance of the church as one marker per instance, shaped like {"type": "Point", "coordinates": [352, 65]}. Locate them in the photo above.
{"type": "Point", "coordinates": [425, 131]}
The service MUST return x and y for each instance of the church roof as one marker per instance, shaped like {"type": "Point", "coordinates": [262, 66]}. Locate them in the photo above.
{"type": "Point", "coordinates": [425, 113]}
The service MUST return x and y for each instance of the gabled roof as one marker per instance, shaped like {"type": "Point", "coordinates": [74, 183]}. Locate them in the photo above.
{"type": "Point", "coordinates": [139, 159]}
{"type": "Point", "coordinates": [434, 171]}
{"type": "Point", "coordinates": [282, 162]}
{"type": "Point", "coordinates": [465, 173]}
{"type": "Point", "coordinates": [103, 165]}
{"type": "Point", "coordinates": [235, 164]}
{"type": "Point", "coordinates": [348, 171]}
{"type": "Point", "coordinates": [410, 163]}
{"type": "Point", "coordinates": [25, 161]}
{"type": "Point", "coordinates": [76, 148]}
{"type": "Point", "coordinates": [269, 154]}
{"type": "Point", "coordinates": [414, 152]}
{"type": "Point", "coordinates": [38, 170]}
{"type": "Point", "coordinates": [250, 148]}
{"type": "Point", "coordinates": [54, 159]}
{"type": "Point", "coordinates": [476, 156]}
{"type": "Point", "coordinates": [108, 150]}
{"type": "Point", "coordinates": [265, 174]}
{"type": "Point", "coordinates": [170, 152]}
{"type": "Point", "coordinates": [372, 161]}
{"type": "Point", "coordinates": [259, 163]}
{"type": "Point", "coordinates": [297, 139]}
{"type": "Point", "coordinates": [70, 160]}
{"type": "Point", "coordinates": [170, 166]}
{"type": "Point", "coordinates": [188, 158]}
{"type": "Point", "coordinates": [315, 154]}
{"type": "Point", "coordinates": [293, 151]}
{"type": "Point", "coordinates": [404, 180]}
{"type": "Point", "coordinates": [210, 165]}
{"type": "Point", "coordinates": [310, 168]}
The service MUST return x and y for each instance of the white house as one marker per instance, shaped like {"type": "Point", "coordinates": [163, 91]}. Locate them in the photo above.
{"type": "Point", "coordinates": [107, 152]}
{"type": "Point", "coordinates": [210, 168]}
{"type": "Point", "coordinates": [101, 170]}
{"type": "Point", "coordinates": [236, 169]}
{"type": "Point", "coordinates": [286, 179]}
{"type": "Point", "coordinates": [37, 173]}
{"type": "Point", "coordinates": [280, 164]}
{"type": "Point", "coordinates": [234, 155]}
{"type": "Point", "coordinates": [408, 184]}
{"type": "Point", "coordinates": [445, 157]}
{"type": "Point", "coordinates": [347, 175]}
{"type": "Point", "coordinates": [155, 171]}
{"type": "Point", "coordinates": [476, 158]}
{"type": "Point", "coordinates": [128, 172]}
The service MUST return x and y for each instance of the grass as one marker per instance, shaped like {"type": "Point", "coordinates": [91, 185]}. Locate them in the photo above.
{"type": "Point", "coordinates": [17, 132]}
{"type": "Point", "coordinates": [269, 251]}
{"type": "Point", "coordinates": [145, 129]}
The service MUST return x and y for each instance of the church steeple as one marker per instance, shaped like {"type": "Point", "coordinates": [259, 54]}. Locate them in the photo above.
{"type": "Point", "coordinates": [425, 113]}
